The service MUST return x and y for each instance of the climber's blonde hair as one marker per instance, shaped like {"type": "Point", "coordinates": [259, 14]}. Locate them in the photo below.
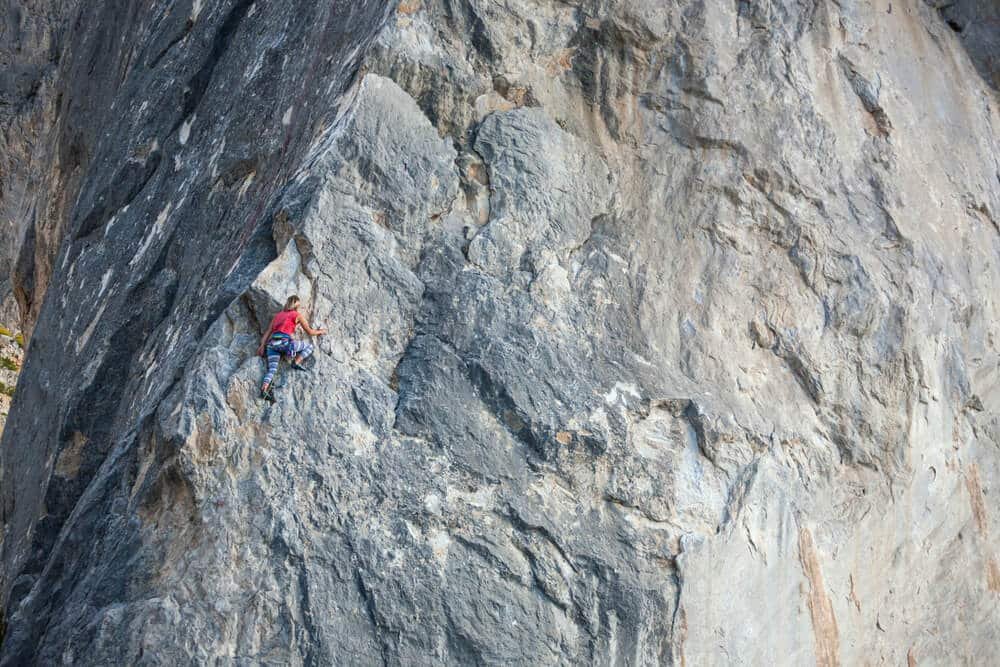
{"type": "Point", "coordinates": [292, 303]}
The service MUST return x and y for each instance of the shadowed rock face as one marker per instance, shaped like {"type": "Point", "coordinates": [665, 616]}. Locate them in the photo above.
{"type": "Point", "coordinates": [659, 333]}
{"type": "Point", "coordinates": [173, 132]}
{"type": "Point", "coordinates": [977, 23]}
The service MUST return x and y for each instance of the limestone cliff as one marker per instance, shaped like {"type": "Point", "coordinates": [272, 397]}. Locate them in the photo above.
{"type": "Point", "coordinates": [660, 333]}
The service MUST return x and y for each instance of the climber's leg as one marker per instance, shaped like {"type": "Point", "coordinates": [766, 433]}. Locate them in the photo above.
{"type": "Point", "coordinates": [273, 359]}
{"type": "Point", "coordinates": [301, 349]}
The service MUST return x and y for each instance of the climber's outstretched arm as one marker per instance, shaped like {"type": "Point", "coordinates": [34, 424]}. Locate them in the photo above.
{"type": "Point", "coordinates": [308, 329]}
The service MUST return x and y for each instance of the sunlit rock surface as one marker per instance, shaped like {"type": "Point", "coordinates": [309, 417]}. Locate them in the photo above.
{"type": "Point", "coordinates": [660, 333]}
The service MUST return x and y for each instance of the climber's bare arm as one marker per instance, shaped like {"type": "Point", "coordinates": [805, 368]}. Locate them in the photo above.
{"type": "Point", "coordinates": [308, 329]}
{"type": "Point", "coordinates": [263, 340]}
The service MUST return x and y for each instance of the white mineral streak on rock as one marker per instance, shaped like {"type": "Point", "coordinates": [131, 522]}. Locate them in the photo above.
{"type": "Point", "coordinates": [152, 233]}
{"type": "Point", "coordinates": [105, 280]}
{"type": "Point", "coordinates": [185, 131]}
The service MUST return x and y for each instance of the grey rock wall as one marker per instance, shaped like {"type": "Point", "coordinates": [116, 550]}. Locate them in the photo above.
{"type": "Point", "coordinates": [977, 22]}
{"type": "Point", "coordinates": [659, 334]}
{"type": "Point", "coordinates": [30, 45]}
{"type": "Point", "coordinates": [185, 124]}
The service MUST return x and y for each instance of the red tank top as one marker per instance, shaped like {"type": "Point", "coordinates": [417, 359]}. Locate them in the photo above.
{"type": "Point", "coordinates": [284, 322]}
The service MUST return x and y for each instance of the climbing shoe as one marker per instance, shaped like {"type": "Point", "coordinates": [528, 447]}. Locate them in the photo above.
{"type": "Point", "coordinates": [267, 394]}
{"type": "Point", "coordinates": [299, 367]}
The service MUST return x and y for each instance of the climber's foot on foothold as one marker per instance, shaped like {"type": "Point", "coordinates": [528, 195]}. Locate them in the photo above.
{"type": "Point", "coordinates": [299, 367]}
{"type": "Point", "coordinates": [267, 393]}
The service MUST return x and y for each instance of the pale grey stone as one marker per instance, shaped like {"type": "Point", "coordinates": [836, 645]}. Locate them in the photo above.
{"type": "Point", "coordinates": [659, 333]}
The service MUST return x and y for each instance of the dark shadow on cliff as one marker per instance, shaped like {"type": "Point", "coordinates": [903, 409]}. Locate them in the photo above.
{"type": "Point", "coordinates": [977, 25]}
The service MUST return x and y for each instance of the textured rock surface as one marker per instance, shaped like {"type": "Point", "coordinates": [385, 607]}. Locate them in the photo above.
{"type": "Point", "coordinates": [659, 333]}
{"type": "Point", "coordinates": [11, 357]}
{"type": "Point", "coordinates": [190, 120]}
{"type": "Point", "coordinates": [29, 50]}
{"type": "Point", "coordinates": [978, 24]}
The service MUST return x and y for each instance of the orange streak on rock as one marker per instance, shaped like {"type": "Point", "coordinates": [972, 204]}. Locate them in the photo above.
{"type": "Point", "coordinates": [408, 6]}
{"type": "Point", "coordinates": [976, 498]}
{"type": "Point", "coordinates": [993, 575]}
{"type": "Point", "coordinates": [820, 609]}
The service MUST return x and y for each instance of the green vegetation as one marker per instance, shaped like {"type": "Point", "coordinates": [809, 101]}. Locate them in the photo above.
{"type": "Point", "coordinates": [9, 364]}
{"type": "Point", "coordinates": [18, 338]}
{"type": "Point", "coordinates": [6, 389]}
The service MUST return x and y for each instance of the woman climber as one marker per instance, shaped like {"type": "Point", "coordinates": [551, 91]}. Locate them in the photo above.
{"type": "Point", "coordinates": [278, 341]}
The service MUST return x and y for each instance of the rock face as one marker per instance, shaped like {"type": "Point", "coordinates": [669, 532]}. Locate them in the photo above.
{"type": "Point", "coordinates": [659, 333]}
{"type": "Point", "coordinates": [11, 357]}
{"type": "Point", "coordinates": [978, 24]}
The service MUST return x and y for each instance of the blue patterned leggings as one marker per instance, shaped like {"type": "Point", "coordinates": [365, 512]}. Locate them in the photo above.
{"type": "Point", "coordinates": [292, 349]}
